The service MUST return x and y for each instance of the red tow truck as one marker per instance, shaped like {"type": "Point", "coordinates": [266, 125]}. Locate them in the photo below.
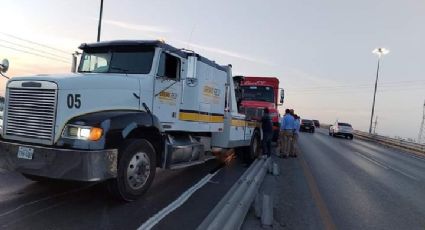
{"type": "Point", "coordinates": [257, 93]}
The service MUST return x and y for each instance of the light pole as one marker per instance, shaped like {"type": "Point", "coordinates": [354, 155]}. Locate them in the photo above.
{"type": "Point", "coordinates": [100, 21]}
{"type": "Point", "coordinates": [380, 52]}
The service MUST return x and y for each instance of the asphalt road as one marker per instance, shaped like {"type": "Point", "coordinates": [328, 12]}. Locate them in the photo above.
{"type": "Point", "coordinates": [335, 184]}
{"type": "Point", "coordinates": [358, 184]}
{"type": "Point", "coordinates": [30, 205]}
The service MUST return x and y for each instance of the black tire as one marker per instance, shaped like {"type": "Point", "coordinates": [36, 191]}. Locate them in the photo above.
{"type": "Point", "coordinates": [134, 154]}
{"type": "Point", "coordinates": [351, 137]}
{"type": "Point", "coordinates": [254, 147]}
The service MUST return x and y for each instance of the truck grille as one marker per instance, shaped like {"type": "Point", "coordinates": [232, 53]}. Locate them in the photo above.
{"type": "Point", "coordinates": [30, 114]}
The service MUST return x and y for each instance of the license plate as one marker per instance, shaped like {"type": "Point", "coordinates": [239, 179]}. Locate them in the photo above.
{"type": "Point", "coordinates": [307, 127]}
{"type": "Point", "coordinates": [25, 152]}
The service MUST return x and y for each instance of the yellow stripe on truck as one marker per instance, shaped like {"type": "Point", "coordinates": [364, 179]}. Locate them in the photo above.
{"type": "Point", "coordinates": [253, 124]}
{"type": "Point", "coordinates": [185, 116]}
{"type": "Point", "coordinates": [238, 123]}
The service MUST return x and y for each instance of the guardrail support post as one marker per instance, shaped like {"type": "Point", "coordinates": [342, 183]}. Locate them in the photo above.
{"type": "Point", "coordinates": [258, 206]}
{"type": "Point", "coordinates": [267, 212]}
{"type": "Point", "coordinates": [275, 169]}
{"type": "Point", "coordinates": [270, 167]}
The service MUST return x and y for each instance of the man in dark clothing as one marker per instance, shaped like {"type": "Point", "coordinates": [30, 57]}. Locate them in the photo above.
{"type": "Point", "coordinates": [267, 127]}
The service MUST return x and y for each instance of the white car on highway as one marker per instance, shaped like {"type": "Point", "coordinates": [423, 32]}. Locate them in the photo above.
{"type": "Point", "coordinates": [341, 129]}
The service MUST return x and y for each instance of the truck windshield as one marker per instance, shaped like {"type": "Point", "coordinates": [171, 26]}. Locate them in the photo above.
{"type": "Point", "coordinates": [258, 93]}
{"type": "Point", "coordinates": [119, 61]}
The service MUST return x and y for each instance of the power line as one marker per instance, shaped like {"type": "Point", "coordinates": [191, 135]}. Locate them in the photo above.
{"type": "Point", "coordinates": [36, 43]}
{"type": "Point", "coordinates": [32, 53]}
{"type": "Point", "coordinates": [388, 84]}
{"type": "Point", "coordinates": [358, 90]}
{"type": "Point", "coordinates": [34, 49]}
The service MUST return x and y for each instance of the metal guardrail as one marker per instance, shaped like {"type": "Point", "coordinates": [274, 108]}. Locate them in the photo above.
{"type": "Point", "coordinates": [230, 212]}
{"type": "Point", "coordinates": [419, 148]}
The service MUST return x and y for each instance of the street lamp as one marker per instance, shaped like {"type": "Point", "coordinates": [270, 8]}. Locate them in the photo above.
{"type": "Point", "coordinates": [380, 52]}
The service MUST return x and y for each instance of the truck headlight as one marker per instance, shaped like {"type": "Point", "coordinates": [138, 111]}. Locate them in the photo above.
{"type": "Point", "coordinates": [82, 132]}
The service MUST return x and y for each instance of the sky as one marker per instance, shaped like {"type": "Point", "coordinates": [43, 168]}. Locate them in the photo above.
{"type": "Point", "coordinates": [320, 50]}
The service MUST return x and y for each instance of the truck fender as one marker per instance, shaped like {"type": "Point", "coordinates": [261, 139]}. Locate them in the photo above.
{"type": "Point", "coordinates": [118, 126]}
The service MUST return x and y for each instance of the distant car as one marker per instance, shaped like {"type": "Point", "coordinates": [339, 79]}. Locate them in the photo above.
{"type": "Point", "coordinates": [341, 129]}
{"type": "Point", "coordinates": [307, 126]}
{"type": "Point", "coordinates": [316, 123]}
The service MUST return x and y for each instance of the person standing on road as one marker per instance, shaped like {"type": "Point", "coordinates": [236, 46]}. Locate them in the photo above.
{"type": "Point", "coordinates": [294, 146]}
{"type": "Point", "coordinates": [267, 127]}
{"type": "Point", "coordinates": [286, 131]}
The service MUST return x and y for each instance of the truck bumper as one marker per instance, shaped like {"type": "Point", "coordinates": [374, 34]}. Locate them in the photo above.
{"type": "Point", "coordinates": [66, 164]}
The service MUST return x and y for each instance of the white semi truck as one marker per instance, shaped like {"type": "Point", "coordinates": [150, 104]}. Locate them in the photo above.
{"type": "Point", "coordinates": [131, 107]}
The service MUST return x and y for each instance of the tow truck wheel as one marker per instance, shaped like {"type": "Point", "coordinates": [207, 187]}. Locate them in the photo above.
{"type": "Point", "coordinates": [136, 170]}
{"type": "Point", "coordinates": [254, 148]}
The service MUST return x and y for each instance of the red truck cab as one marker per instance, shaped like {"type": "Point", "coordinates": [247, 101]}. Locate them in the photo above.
{"type": "Point", "coordinates": [257, 93]}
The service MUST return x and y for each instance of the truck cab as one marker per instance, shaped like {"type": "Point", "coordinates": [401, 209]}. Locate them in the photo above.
{"type": "Point", "coordinates": [257, 93]}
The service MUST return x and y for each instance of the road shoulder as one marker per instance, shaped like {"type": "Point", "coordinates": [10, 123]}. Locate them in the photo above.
{"type": "Point", "coordinates": [294, 206]}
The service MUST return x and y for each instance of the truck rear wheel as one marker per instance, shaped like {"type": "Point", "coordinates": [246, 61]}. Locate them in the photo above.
{"type": "Point", "coordinates": [136, 170]}
{"type": "Point", "coordinates": [254, 147]}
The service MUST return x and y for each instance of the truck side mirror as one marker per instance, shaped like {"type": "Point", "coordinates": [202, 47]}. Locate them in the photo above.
{"type": "Point", "coordinates": [282, 96]}
{"type": "Point", "coordinates": [4, 66]}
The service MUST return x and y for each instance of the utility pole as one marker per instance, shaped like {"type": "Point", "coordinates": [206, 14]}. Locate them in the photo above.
{"type": "Point", "coordinates": [421, 136]}
{"type": "Point", "coordinates": [100, 21]}
{"type": "Point", "coordinates": [380, 52]}
{"type": "Point", "coordinates": [375, 124]}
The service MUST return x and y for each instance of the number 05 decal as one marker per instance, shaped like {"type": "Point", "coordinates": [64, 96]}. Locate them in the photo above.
{"type": "Point", "coordinates": [74, 101]}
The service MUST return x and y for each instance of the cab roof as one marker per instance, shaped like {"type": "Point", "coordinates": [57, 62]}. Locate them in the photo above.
{"type": "Point", "coordinates": [152, 43]}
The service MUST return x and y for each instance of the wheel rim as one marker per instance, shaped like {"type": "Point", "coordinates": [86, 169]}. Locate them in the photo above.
{"type": "Point", "coordinates": [138, 170]}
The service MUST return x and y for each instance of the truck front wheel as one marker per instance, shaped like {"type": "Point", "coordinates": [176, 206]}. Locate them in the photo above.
{"type": "Point", "coordinates": [136, 170]}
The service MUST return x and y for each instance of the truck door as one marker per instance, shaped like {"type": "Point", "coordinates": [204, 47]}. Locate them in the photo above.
{"type": "Point", "coordinates": [167, 93]}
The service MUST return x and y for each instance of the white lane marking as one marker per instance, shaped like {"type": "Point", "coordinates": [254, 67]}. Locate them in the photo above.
{"type": "Point", "coordinates": [387, 166]}
{"type": "Point", "coordinates": [33, 214]}
{"type": "Point", "coordinates": [151, 222]}
{"type": "Point", "coordinates": [406, 174]}
{"type": "Point", "coordinates": [373, 161]}
{"type": "Point", "coordinates": [43, 199]}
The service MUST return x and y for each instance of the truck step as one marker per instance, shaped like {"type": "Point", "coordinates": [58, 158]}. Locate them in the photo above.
{"type": "Point", "coordinates": [192, 163]}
